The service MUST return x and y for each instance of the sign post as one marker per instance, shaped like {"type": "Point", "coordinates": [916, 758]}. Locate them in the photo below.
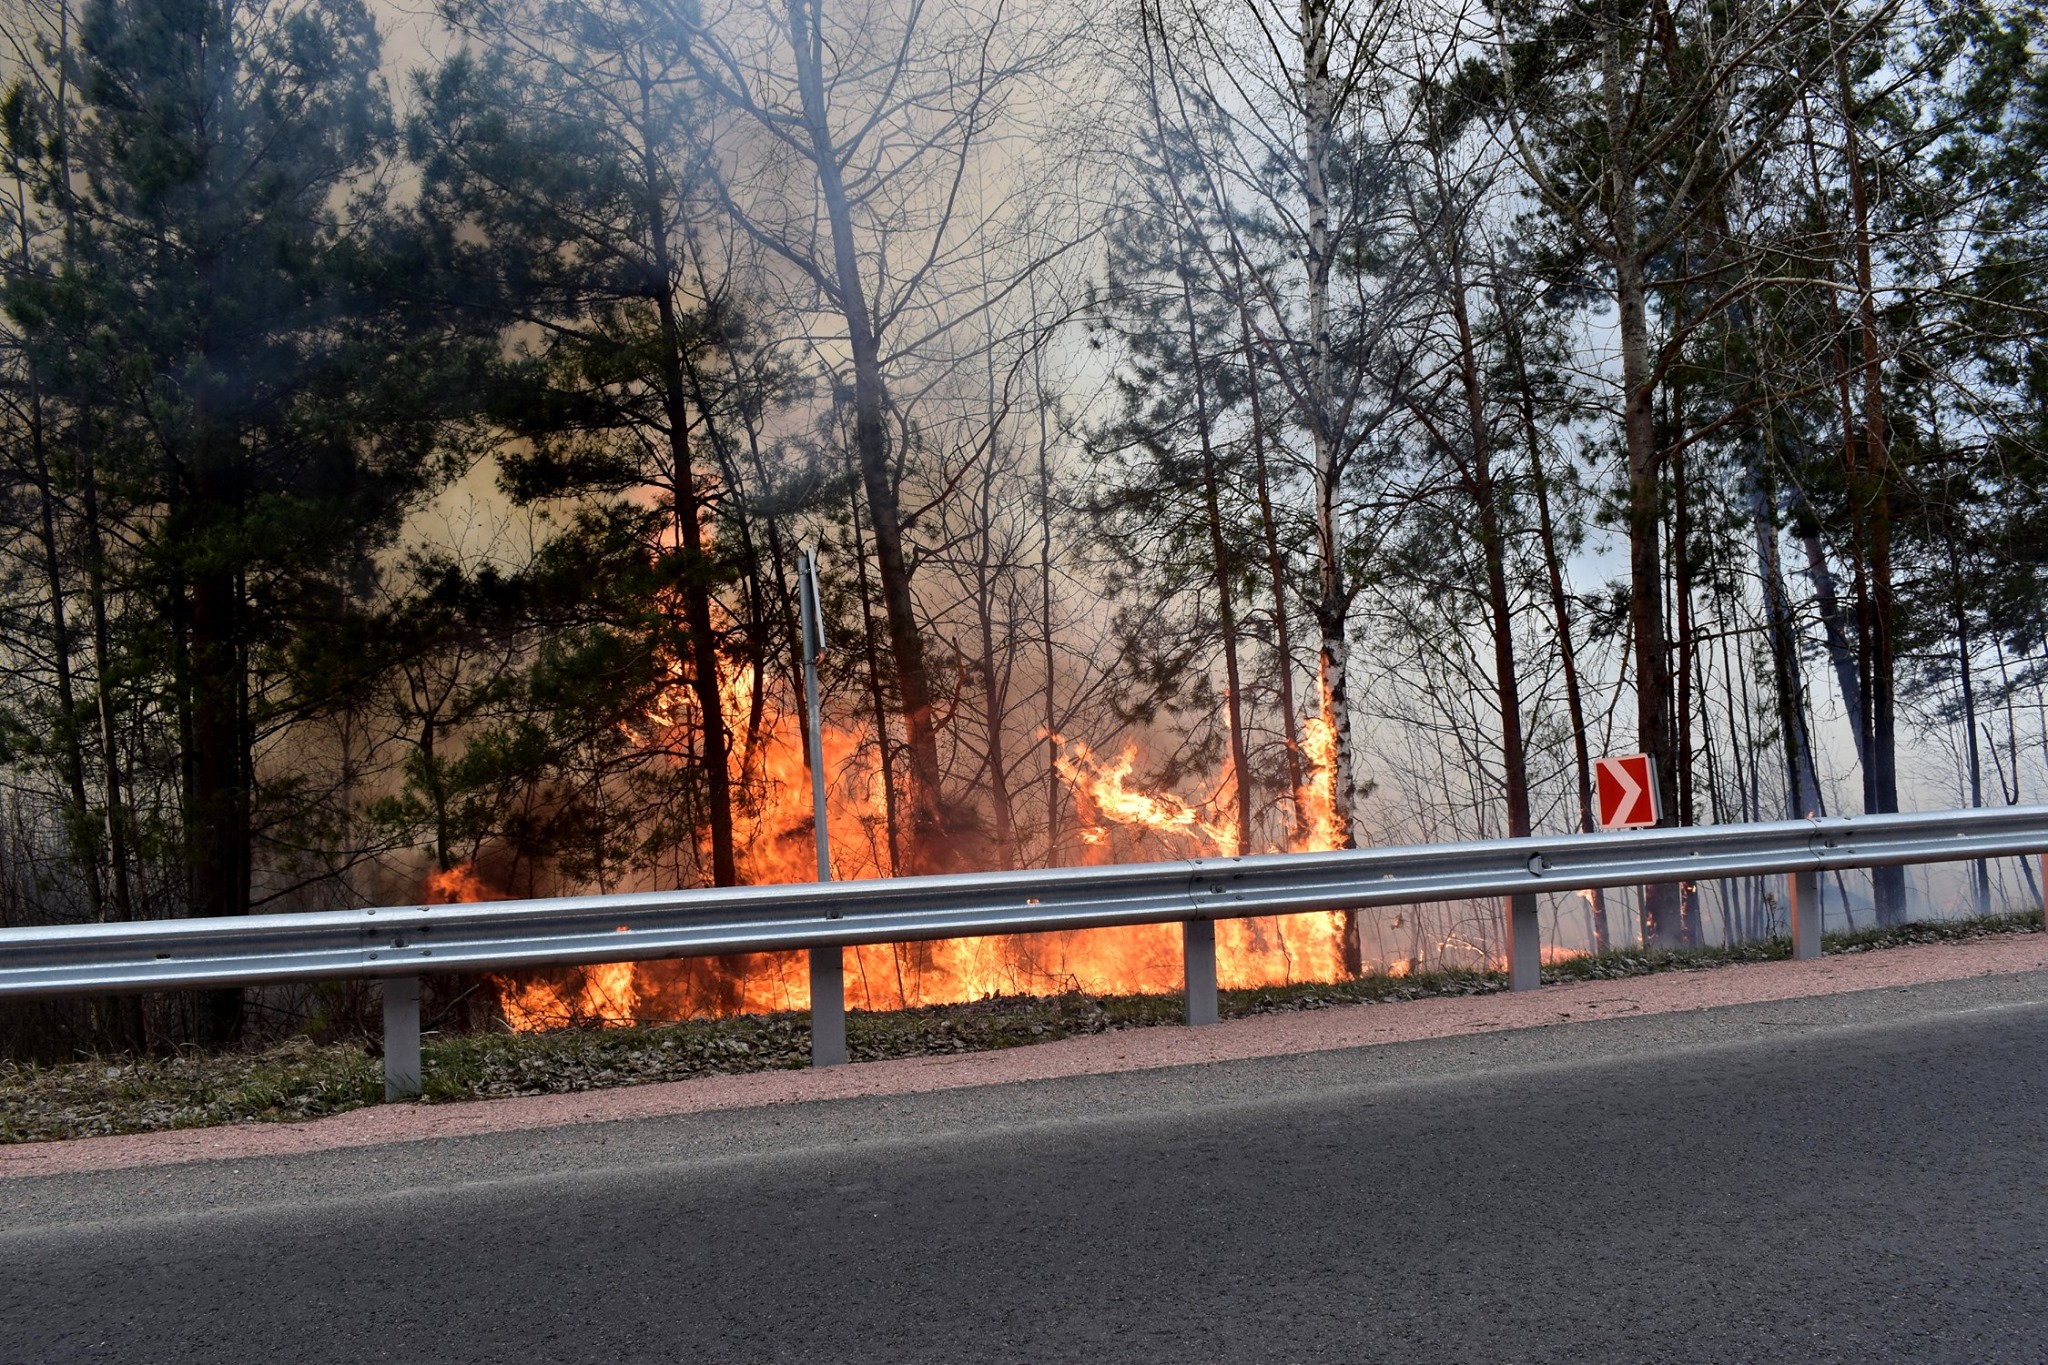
{"type": "Point", "coordinates": [814, 644]}
{"type": "Point", "coordinates": [828, 965]}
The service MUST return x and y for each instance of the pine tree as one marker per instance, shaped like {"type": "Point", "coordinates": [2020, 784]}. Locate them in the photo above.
{"type": "Point", "coordinates": [260, 407]}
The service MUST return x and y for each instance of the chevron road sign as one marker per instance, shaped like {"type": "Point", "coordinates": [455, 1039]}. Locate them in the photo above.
{"type": "Point", "coordinates": [1626, 791]}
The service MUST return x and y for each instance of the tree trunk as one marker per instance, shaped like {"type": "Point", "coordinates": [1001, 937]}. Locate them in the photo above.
{"type": "Point", "coordinates": [1835, 636]}
{"type": "Point", "coordinates": [1486, 496]}
{"type": "Point", "coordinates": [128, 1024]}
{"type": "Point", "coordinates": [1054, 799]}
{"type": "Point", "coordinates": [1220, 564]}
{"type": "Point", "coordinates": [995, 702]}
{"type": "Point", "coordinates": [1276, 575]}
{"type": "Point", "coordinates": [687, 511]}
{"type": "Point", "coordinates": [928, 851]}
{"type": "Point", "coordinates": [877, 696]}
{"type": "Point", "coordinates": [1980, 870]}
{"type": "Point", "coordinates": [994, 706]}
{"type": "Point", "coordinates": [1888, 883]}
{"type": "Point", "coordinates": [1333, 594]}
{"type": "Point", "coordinates": [1487, 505]}
{"type": "Point", "coordinates": [1662, 925]}
{"type": "Point", "coordinates": [131, 1029]}
{"type": "Point", "coordinates": [1567, 650]}
{"type": "Point", "coordinates": [1802, 784]}
{"type": "Point", "coordinates": [784, 636]}
{"type": "Point", "coordinates": [70, 748]}
{"type": "Point", "coordinates": [1660, 909]}
{"type": "Point", "coordinates": [1691, 932]}
{"type": "Point", "coordinates": [216, 814]}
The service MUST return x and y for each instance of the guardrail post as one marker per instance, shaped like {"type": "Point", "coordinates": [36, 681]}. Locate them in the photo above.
{"type": "Point", "coordinates": [1525, 944]}
{"type": "Point", "coordinates": [828, 1007]}
{"type": "Point", "coordinates": [1805, 908]}
{"type": "Point", "coordinates": [401, 1037]}
{"type": "Point", "coordinates": [1198, 968]}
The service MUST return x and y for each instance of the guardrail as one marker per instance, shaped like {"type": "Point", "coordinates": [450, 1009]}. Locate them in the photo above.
{"type": "Point", "coordinates": [401, 943]}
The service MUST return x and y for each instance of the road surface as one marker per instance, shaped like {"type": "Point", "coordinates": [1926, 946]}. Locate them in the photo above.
{"type": "Point", "coordinates": [1855, 1178]}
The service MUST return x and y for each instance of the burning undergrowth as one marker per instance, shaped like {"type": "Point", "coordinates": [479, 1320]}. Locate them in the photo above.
{"type": "Point", "coordinates": [1120, 818]}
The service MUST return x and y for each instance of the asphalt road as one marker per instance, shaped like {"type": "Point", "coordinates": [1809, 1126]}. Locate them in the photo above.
{"type": "Point", "coordinates": [1859, 1178]}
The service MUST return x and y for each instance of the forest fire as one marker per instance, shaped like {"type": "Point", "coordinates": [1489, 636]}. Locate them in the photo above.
{"type": "Point", "coordinates": [1104, 790]}
{"type": "Point", "coordinates": [1119, 815]}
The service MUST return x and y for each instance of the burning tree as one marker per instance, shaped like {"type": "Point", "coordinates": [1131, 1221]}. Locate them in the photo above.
{"type": "Point", "coordinates": [562, 169]}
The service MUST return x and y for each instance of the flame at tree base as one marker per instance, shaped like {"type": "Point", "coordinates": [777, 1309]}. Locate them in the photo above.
{"type": "Point", "coordinates": [1137, 960]}
{"type": "Point", "coordinates": [1134, 960]}
{"type": "Point", "coordinates": [1119, 821]}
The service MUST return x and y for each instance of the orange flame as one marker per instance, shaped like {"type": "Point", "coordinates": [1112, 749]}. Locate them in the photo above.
{"type": "Point", "coordinates": [1316, 801]}
{"type": "Point", "coordinates": [773, 818]}
{"type": "Point", "coordinates": [603, 994]}
{"type": "Point", "coordinates": [1105, 790]}
{"type": "Point", "coordinates": [456, 886]}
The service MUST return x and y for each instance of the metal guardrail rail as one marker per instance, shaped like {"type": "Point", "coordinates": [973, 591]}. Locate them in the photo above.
{"type": "Point", "coordinates": [401, 943]}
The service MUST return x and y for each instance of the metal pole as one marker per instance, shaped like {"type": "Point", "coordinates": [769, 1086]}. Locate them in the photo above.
{"type": "Point", "coordinates": [401, 1037]}
{"type": "Point", "coordinates": [1525, 944]}
{"type": "Point", "coordinates": [814, 644]}
{"type": "Point", "coordinates": [1198, 968]}
{"type": "Point", "coordinates": [828, 965]}
{"type": "Point", "coordinates": [1806, 919]}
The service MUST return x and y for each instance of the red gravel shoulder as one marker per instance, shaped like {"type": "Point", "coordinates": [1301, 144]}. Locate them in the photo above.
{"type": "Point", "coordinates": [1125, 1050]}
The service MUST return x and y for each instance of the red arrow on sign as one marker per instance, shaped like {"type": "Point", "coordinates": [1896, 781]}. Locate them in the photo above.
{"type": "Point", "coordinates": [1627, 789]}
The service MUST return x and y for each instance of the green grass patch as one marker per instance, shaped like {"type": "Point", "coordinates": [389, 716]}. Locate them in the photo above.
{"type": "Point", "coordinates": [492, 1065]}
{"type": "Point", "coordinates": [1366, 990]}
{"type": "Point", "coordinates": [194, 1089]}
{"type": "Point", "coordinates": [1934, 931]}
{"type": "Point", "coordinates": [1643, 962]}
{"type": "Point", "coordinates": [298, 1079]}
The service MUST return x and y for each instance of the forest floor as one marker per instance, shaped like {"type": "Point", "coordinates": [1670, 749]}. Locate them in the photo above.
{"type": "Point", "coordinates": [301, 1079]}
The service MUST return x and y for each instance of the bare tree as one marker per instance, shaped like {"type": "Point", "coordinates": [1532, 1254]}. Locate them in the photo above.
{"type": "Point", "coordinates": [865, 123]}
